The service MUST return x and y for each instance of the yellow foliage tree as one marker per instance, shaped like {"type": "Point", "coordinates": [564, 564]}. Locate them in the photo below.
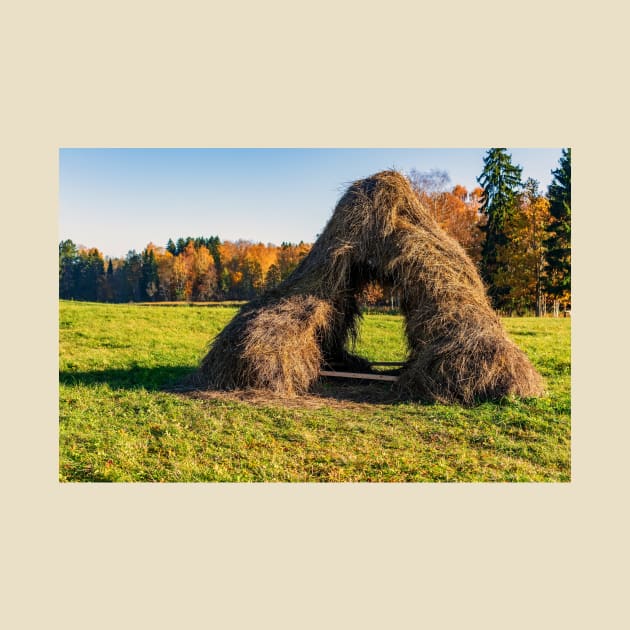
{"type": "Point", "coordinates": [204, 273]}
{"type": "Point", "coordinates": [522, 259]}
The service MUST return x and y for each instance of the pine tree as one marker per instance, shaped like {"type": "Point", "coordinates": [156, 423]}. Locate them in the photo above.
{"type": "Point", "coordinates": [132, 270]}
{"type": "Point", "coordinates": [106, 293]}
{"type": "Point", "coordinates": [91, 274]}
{"type": "Point", "coordinates": [501, 184]}
{"type": "Point", "coordinates": [273, 277]}
{"type": "Point", "coordinates": [149, 282]}
{"type": "Point", "coordinates": [559, 241]}
{"type": "Point", "coordinates": [68, 269]}
{"type": "Point", "coordinates": [182, 243]}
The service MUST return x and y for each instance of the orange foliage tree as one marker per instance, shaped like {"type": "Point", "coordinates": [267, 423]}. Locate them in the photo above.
{"type": "Point", "coordinates": [456, 210]}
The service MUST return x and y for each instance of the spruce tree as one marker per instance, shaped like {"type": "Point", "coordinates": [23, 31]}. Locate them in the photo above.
{"type": "Point", "coordinates": [132, 273]}
{"type": "Point", "coordinates": [213, 245]}
{"type": "Point", "coordinates": [107, 290]}
{"type": "Point", "coordinates": [149, 281]}
{"type": "Point", "coordinates": [501, 184]}
{"type": "Point", "coordinates": [559, 241]}
{"type": "Point", "coordinates": [91, 274]}
{"type": "Point", "coordinates": [272, 278]}
{"type": "Point", "coordinates": [68, 269]}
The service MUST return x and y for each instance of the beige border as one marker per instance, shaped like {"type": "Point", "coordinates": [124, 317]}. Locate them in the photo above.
{"type": "Point", "coordinates": [309, 556]}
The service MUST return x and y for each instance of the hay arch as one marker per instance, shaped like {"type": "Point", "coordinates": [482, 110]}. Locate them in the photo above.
{"type": "Point", "coordinates": [459, 351]}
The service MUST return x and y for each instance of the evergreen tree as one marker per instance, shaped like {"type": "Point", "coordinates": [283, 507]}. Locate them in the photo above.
{"type": "Point", "coordinates": [252, 281]}
{"type": "Point", "coordinates": [170, 247]}
{"type": "Point", "coordinates": [106, 293]}
{"type": "Point", "coordinates": [68, 269]}
{"type": "Point", "coordinates": [91, 275]}
{"type": "Point", "coordinates": [120, 288]}
{"type": "Point", "coordinates": [213, 247]}
{"type": "Point", "coordinates": [149, 281]}
{"type": "Point", "coordinates": [132, 274]}
{"type": "Point", "coordinates": [181, 245]}
{"type": "Point", "coordinates": [501, 184]}
{"type": "Point", "coordinates": [225, 282]}
{"type": "Point", "coordinates": [273, 277]}
{"type": "Point", "coordinates": [559, 241]}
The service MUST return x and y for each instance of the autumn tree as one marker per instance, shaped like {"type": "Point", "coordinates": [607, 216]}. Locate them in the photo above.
{"type": "Point", "coordinates": [189, 269]}
{"type": "Point", "coordinates": [165, 261]}
{"type": "Point", "coordinates": [371, 294]}
{"type": "Point", "coordinates": [245, 268]}
{"type": "Point", "coordinates": [500, 181]}
{"type": "Point", "coordinates": [460, 217]}
{"type": "Point", "coordinates": [559, 233]}
{"type": "Point", "coordinates": [521, 259]}
{"type": "Point", "coordinates": [204, 275]}
{"type": "Point", "coordinates": [456, 211]}
{"type": "Point", "coordinates": [273, 277]}
{"type": "Point", "coordinates": [189, 258]}
{"type": "Point", "coordinates": [179, 279]}
{"type": "Point", "coordinates": [264, 255]}
{"type": "Point", "coordinates": [252, 281]}
{"type": "Point", "coordinates": [212, 243]}
{"type": "Point", "coordinates": [290, 256]}
{"type": "Point", "coordinates": [429, 186]}
{"type": "Point", "coordinates": [232, 255]}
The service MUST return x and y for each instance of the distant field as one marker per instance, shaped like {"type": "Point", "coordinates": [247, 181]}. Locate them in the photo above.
{"type": "Point", "coordinates": [222, 304]}
{"type": "Point", "coordinates": [118, 421]}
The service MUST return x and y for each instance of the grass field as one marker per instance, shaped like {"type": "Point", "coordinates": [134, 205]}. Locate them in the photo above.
{"type": "Point", "coordinates": [119, 419]}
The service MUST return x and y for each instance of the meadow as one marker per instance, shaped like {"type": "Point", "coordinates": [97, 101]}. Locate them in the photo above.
{"type": "Point", "coordinates": [126, 415]}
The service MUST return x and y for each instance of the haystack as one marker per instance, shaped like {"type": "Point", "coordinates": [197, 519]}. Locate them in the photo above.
{"type": "Point", "coordinates": [379, 231]}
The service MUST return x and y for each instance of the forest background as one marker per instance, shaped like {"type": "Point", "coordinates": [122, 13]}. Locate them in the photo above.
{"type": "Point", "coordinates": [519, 237]}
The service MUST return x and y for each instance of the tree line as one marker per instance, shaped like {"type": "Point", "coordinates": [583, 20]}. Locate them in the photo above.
{"type": "Point", "coordinates": [519, 237]}
{"type": "Point", "coordinates": [191, 269]}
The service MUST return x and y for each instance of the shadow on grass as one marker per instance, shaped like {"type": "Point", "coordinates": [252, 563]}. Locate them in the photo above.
{"type": "Point", "coordinates": [185, 380]}
{"type": "Point", "coordinates": [151, 379]}
{"type": "Point", "coordinates": [358, 391]}
{"type": "Point", "coordinates": [323, 393]}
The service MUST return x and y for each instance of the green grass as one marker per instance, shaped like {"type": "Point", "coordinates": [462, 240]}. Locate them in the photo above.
{"type": "Point", "coordinates": [117, 422]}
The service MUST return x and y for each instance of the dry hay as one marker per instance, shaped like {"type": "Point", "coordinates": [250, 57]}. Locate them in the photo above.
{"type": "Point", "coordinates": [379, 231]}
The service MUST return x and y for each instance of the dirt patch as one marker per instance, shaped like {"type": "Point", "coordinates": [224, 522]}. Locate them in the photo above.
{"type": "Point", "coordinates": [326, 392]}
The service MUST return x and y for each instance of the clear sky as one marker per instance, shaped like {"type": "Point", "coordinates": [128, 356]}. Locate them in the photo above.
{"type": "Point", "coordinates": [122, 199]}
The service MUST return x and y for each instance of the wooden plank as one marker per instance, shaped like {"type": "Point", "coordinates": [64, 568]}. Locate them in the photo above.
{"type": "Point", "coordinates": [392, 363]}
{"type": "Point", "coordinates": [387, 363]}
{"type": "Point", "coordinates": [372, 377]}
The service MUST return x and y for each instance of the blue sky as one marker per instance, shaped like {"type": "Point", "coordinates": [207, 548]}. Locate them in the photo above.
{"type": "Point", "coordinates": [121, 199]}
